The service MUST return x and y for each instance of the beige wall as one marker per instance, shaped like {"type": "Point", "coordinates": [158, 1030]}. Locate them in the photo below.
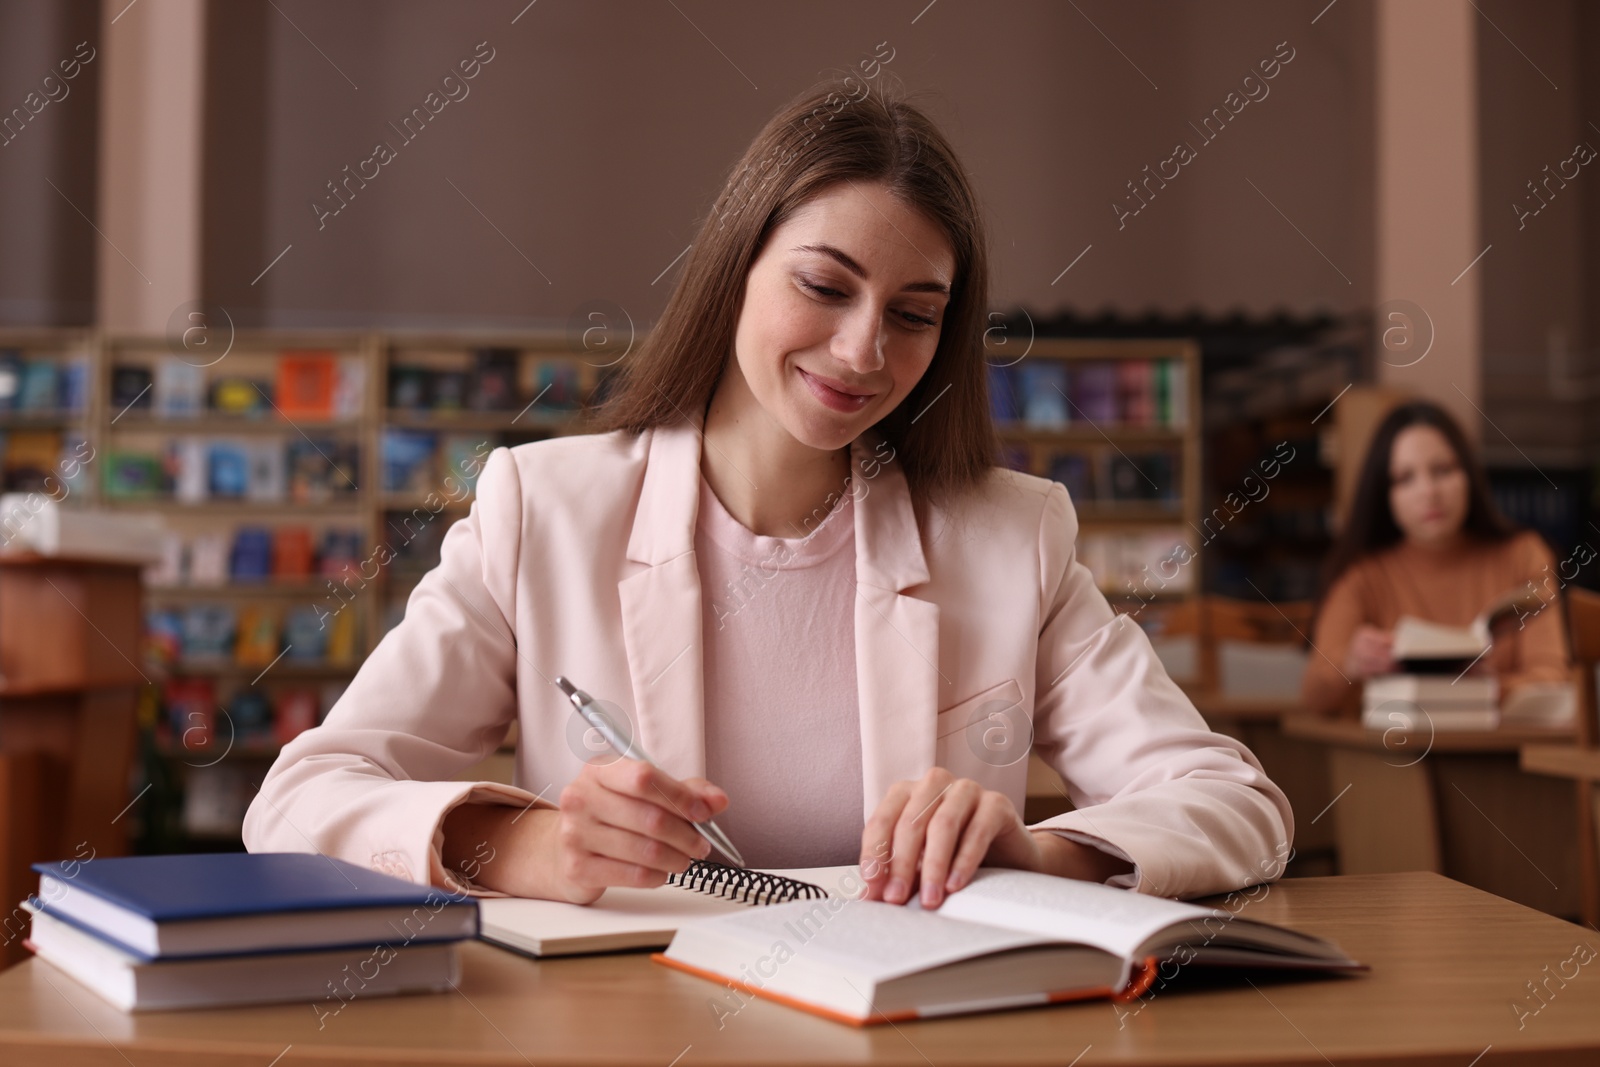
{"type": "Point", "coordinates": [1539, 280]}
{"type": "Point", "coordinates": [1426, 182]}
{"type": "Point", "coordinates": [47, 249]}
{"type": "Point", "coordinates": [600, 133]}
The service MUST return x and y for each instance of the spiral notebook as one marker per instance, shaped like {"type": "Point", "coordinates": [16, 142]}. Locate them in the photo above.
{"type": "Point", "coordinates": [631, 919]}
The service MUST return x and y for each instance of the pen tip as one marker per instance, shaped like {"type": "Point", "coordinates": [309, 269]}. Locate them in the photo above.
{"type": "Point", "coordinates": [566, 686]}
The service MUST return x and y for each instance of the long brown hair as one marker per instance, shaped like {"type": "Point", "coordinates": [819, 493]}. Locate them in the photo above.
{"type": "Point", "coordinates": [1370, 525]}
{"type": "Point", "coordinates": [942, 433]}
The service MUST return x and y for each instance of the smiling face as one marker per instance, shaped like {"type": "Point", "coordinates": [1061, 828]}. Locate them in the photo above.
{"type": "Point", "coordinates": [841, 314]}
{"type": "Point", "coordinates": [1428, 492]}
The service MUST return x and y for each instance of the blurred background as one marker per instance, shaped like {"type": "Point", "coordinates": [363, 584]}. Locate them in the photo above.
{"type": "Point", "coordinates": [273, 273]}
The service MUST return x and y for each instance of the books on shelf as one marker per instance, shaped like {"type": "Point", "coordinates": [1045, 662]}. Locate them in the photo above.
{"type": "Point", "coordinates": [130, 388]}
{"type": "Point", "coordinates": [1099, 476]}
{"type": "Point", "coordinates": [179, 390]}
{"type": "Point", "coordinates": [407, 459]}
{"type": "Point", "coordinates": [494, 380]}
{"type": "Point", "coordinates": [1141, 563]}
{"type": "Point", "coordinates": [189, 706]}
{"type": "Point", "coordinates": [284, 553]}
{"type": "Point", "coordinates": [241, 397]}
{"type": "Point", "coordinates": [43, 385]}
{"type": "Point", "coordinates": [1042, 392]}
{"type": "Point", "coordinates": [306, 384]}
{"type": "Point", "coordinates": [1008, 939]}
{"type": "Point", "coordinates": [161, 932]}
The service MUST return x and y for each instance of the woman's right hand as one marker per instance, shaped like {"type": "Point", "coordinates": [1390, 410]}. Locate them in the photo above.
{"type": "Point", "coordinates": [1371, 652]}
{"type": "Point", "coordinates": [621, 822]}
{"type": "Point", "coordinates": [628, 823]}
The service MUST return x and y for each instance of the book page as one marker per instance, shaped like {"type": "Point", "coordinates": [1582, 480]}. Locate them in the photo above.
{"type": "Point", "coordinates": [867, 940]}
{"type": "Point", "coordinates": [1116, 920]}
{"type": "Point", "coordinates": [1419, 639]}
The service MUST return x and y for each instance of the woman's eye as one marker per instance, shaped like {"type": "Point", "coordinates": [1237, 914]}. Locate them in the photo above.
{"type": "Point", "coordinates": [820, 290]}
{"type": "Point", "coordinates": [918, 319]}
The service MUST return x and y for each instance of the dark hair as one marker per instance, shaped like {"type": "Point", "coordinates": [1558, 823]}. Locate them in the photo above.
{"type": "Point", "coordinates": [826, 135]}
{"type": "Point", "coordinates": [1370, 524]}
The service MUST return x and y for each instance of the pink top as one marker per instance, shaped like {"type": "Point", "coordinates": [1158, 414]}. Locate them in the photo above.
{"type": "Point", "coordinates": [782, 727]}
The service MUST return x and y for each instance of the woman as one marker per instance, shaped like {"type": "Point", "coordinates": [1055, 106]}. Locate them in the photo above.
{"type": "Point", "coordinates": [789, 562]}
{"type": "Point", "coordinates": [1424, 539]}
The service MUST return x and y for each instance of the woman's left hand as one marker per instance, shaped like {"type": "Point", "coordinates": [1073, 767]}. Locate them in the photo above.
{"type": "Point", "coordinates": [952, 826]}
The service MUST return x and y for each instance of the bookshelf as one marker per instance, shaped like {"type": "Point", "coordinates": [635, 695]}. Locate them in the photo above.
{"type": "Point", "coordinates": [345, 455]}
{"type": "Point", "coordinates": [1117, 422]}
{"type": "Point", "coordinates": [47, 409]}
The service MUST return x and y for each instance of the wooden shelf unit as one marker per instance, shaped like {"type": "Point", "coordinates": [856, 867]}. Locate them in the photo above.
{"type": "Point", "coordinates": [1098, 516]}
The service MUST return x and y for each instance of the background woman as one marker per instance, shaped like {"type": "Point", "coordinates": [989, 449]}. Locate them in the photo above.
{"type": "Point", "coordinates": [1423, 538]}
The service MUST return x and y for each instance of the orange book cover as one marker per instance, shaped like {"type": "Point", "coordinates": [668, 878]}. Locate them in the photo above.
{"type": "Point", "coordinates": [1143, 976]}
{"type": "Point", "coordinates": [306, 383]}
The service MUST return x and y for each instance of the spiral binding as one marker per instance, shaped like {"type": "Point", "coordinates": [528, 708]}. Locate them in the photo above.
{"type": "Point", "coordinates": [738, 883]}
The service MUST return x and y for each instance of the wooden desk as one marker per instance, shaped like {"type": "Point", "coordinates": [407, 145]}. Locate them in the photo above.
{"type": "Point", "coordinates": [1453, 802]}
{"type": "Point", "coordinates": [1447, 963]}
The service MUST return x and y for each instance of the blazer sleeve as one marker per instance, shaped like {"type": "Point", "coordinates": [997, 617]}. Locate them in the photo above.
{"type": "Point", "coordinates": [1190, 808]}
{"type": "Point", "coordinates": [371, 785]}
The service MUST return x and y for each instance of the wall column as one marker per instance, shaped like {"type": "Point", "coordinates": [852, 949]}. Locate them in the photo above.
{"type": "Point", "coordinates": [149, 203]}
{"type": "Point", "coordinates": [1426, 199]}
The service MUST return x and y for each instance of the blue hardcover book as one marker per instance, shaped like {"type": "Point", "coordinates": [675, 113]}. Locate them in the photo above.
{"type": "Point", "coordinates": [230, 903]}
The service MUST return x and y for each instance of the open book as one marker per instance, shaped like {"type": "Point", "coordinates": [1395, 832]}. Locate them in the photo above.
{"type": "Point", "coordinates": [1421, 646]}
{"type": "Point", "coordinates": [1008, 939]}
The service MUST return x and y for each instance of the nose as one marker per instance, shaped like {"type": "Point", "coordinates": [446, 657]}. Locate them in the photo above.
{"type": "Point", "coordinates": [858, 343]}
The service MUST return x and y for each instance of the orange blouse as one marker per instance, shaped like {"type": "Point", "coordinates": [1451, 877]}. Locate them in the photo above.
{"type": "Point", "coordinates": [1448, 586]}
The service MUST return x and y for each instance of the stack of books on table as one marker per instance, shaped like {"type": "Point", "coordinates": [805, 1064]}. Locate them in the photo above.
{"type": "Point", "coordinates": [1433, 689]}
{"type": "Point", "coordinates": [154, 932]}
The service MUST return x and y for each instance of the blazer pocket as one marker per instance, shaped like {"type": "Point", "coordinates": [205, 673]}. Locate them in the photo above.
{"type": "Point", "coordinates": [991, 728]}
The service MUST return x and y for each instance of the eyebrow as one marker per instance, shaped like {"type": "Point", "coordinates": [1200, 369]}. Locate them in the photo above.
{"type": "Point", "coordinates": [855, 268]}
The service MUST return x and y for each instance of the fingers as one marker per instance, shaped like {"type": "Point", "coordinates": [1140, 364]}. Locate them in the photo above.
{"type": "Point", "coordinates": [648, 782]}
{"type": "Point", "coordinates": [628, 823]}
{"type": "Point", "coordinates": [644, 820]}
{"type": "Point", "coordinates": [910, 832]}
{"type": "Point", "coordinates": [713, 795]}
{"type": "Point", "coordinates": [994, 814]}
{"type": "Point", "coordinates": [932, 835]}
{"type": "Point", "coordinates": [877, 839]}
{"type": "Point", "coordinates": [949, 824]}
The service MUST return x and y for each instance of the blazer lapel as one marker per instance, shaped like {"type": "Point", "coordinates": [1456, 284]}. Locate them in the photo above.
{"type": "Point", "coordinates": [661, 622]}
{"type": "Point", "coordinates": [898, 682]}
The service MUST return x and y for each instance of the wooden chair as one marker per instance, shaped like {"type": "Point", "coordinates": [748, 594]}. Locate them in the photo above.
{"type": "Point", "coordinates": [1580, 762]}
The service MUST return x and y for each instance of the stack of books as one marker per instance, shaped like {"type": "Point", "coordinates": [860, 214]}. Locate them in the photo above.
{"type": "Point", "coordinates": [1436, 688]}
{"type": "Point", "coordinates": [160, 932]}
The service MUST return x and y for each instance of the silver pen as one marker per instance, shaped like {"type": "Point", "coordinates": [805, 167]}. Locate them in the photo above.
{"type": "Point", "coordinates": [627, 748]}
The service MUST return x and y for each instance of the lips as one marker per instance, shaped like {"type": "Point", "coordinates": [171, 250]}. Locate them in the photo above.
{"type": "Point", "coordinates": [834, 394]}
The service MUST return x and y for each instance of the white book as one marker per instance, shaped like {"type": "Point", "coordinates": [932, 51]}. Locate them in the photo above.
{"type": "Point", "coordinates": [1419, 639]}
{"type": "Point", "coordinates": [1429, 702]}
{"type": "Point", "coordinates": [135, 984]}
{"type": "Point", "coordinates": [34, 522]}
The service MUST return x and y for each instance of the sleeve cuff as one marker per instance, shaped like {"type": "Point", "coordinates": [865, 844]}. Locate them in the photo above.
{"type": "Point", "coordinates": [1125, 880]}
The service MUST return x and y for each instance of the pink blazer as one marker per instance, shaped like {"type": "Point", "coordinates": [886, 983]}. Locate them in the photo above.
{"type": "Point", "coordinates": [974, 635]}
